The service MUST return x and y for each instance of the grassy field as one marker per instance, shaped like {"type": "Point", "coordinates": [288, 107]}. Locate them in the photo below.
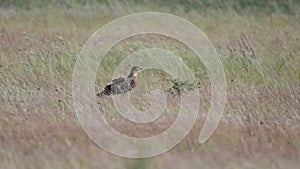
{"type": "Point", "coordinates": [261, 124]}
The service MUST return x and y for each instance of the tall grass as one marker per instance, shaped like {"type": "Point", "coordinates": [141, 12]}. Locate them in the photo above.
{"type": "Point", "coordinates": [38, 49]}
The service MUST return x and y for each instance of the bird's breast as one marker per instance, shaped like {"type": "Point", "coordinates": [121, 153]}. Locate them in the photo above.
{"type": "Point", "coordinates": [133, 82]}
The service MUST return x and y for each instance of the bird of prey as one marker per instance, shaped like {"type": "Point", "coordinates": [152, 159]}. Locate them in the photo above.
{"type": "Point", "coordinates": [121, 85]}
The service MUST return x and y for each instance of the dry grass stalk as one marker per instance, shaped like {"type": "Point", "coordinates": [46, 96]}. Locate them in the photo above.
{"type": "Point", "coordinates": [244, 49]}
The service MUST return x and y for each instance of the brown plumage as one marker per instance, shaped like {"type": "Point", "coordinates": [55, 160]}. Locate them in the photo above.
{"type": "Point", "coordinates": [121, 85]}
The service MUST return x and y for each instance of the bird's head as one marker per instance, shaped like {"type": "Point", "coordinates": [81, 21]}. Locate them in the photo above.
{"type": "Point", "coordinates": [136, 70]}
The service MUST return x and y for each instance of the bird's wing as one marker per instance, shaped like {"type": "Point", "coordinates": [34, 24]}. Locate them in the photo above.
{"type": "Point", "coordinates": [120, 85]}
{"type": "Point", "coordinates": [118, 80]}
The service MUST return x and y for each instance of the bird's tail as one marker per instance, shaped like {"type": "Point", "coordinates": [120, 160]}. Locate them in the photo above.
{"type": "Point", "coordinates": [103, 93]}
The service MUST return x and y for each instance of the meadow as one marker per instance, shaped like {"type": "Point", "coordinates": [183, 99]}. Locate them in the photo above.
{"type": "Point", "coordinates": [259, 47]}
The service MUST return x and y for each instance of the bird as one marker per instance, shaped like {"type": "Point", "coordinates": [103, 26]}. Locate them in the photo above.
{"type": "Point", "coordinates": [122, 85]}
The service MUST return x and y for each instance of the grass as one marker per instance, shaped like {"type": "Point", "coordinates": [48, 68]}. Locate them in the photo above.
{"type": "Point", "coordinates": [38, 124]}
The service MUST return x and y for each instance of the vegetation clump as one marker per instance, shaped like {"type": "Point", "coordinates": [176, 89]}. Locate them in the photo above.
{"type": "Point", "coordinates": [180, 86]}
